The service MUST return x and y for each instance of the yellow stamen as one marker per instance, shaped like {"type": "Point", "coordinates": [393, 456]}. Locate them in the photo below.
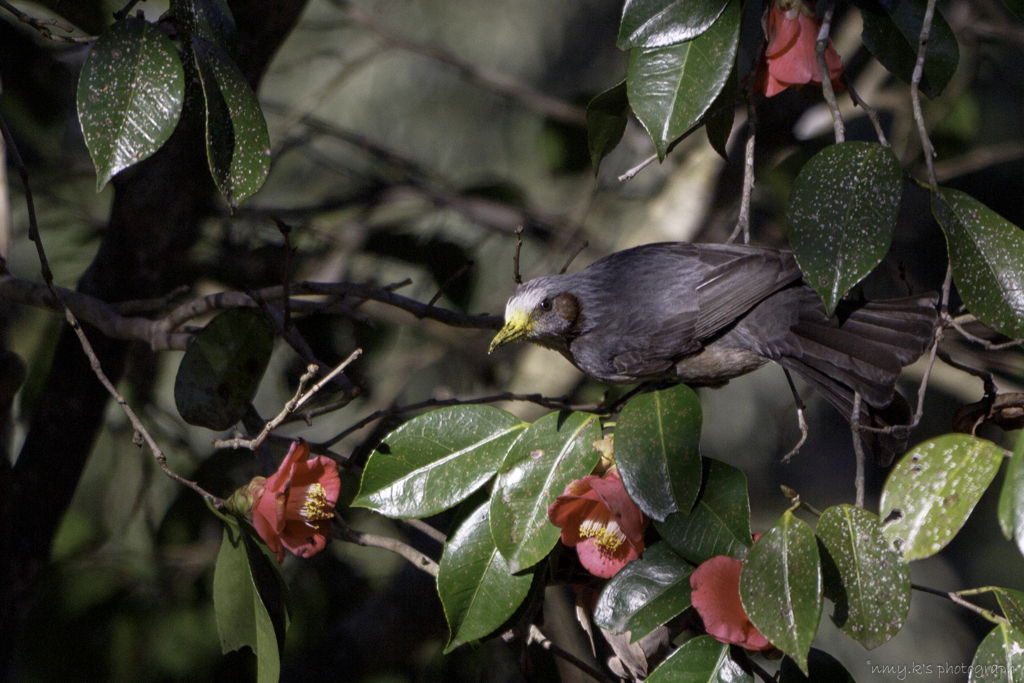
{"type": "Point", "coordinates": [316, 508]}
{"type": "Point", "coordinates": [607, 537]}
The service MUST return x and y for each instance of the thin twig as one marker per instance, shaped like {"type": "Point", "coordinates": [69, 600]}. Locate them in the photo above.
{"type": "Point", "coordinates": [448, 283]}
{"type": "Point", "coordinates": [515, 259]}
{"type": "Point", "coordinates": [43, 26]}
{"type": "Point", "coordinates": [572, 257]}
{"type": "Point", "coordinates": [427, 530]}
{"type": "Point", "coordinates": [94, 362]}
{"type": "Point", "coordinates": [286, 231]}
{"type": "Point", "coordinates": [858, 448]}
{"type": "Point", "coordinates": [537, 636]}
{"type": "Point", "coordinates": [631, 173]}
{"type": "Point", "coordinates": [344, 532]}
{"type": "Point", "coordinates": [915, 93]}
{"type": "Point", "coordinates": [826, 80]}
{"type": "Point", "coordinates": [743, 221]}
{"type": "Point", "coordinates": [868, 109]}
{"type": "Point", "coordinates": [956, 599]}
{"type": "Point", "coordinates": [711, 113]}
{"type": "Point", "coordinates": [140, 429]}
{"type": "Point", "coordinates": [545, 104]}
{"type": "Point", "coordinates": [957, 324]}
{"type": "Point", "coordinates": [300, 398]}
{"type": "Point", "coordinates": [804, 431]}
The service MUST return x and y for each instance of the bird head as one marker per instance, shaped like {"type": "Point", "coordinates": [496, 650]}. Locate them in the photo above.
{"type": "Point", "coordinates": [540, 311]}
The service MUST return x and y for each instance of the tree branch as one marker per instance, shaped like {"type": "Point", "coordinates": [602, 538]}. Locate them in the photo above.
{"type": "Point", "coordinates": [43, 26]}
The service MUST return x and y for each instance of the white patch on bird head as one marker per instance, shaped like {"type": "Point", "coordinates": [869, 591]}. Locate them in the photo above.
{"type": "Point", "coordinates": [524, 301]}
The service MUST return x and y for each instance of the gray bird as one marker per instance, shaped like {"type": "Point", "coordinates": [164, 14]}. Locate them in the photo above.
{"type": "Point", "coordinates": [706, 313]}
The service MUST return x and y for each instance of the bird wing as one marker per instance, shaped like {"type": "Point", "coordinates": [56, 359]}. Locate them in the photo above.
{"type": "Point", "coordinates": [734, 278]}
{"type": "Point", "coordinates": [667, 298]}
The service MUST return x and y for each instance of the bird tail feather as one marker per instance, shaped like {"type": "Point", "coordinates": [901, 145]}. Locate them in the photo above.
{"type": "Point", "coordinates": [864, 350]}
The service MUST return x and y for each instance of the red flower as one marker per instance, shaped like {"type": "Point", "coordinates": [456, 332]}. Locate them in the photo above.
{"type": "Point", "coordinates": [598, 517]}
{"type": "Point", "coordinates": [791, 56]}
{"type": "Point", "coordinates": [716, 597]}
{"type": "Point", "coordinates": [292, 508]}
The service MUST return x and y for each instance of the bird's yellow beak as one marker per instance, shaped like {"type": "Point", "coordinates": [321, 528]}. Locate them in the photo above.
{"type": "Point", "coordinates": [516, 327]}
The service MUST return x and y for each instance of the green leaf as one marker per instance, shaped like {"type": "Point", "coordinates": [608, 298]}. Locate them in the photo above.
{"type": "Point", "coordinates": [237, 142]}
{"type": "Point", "coordinates": [130, 95]}
{"type": "Point", "coordinates": [645, 593]}
{"type": "Point", "coordinates": [606, 122]}
{"type": "Point", "coordinates": [932, 490]}
{"type": "Point", "coordinates": [721, 115]}
{"type": "Point", "coordinates": [781, 588]}
{"type": "Point", "coordinates": [1000, 657]}
{"type": "Point", "coordinates": [892, 37]}
{"type": "Point", "coordinates": [987, 255]}
{"type": "Point", "coordinates": [553, 451]}
{"type": "Point", "coordinates": [222, 368]}
{"type": "Point", "coordinates": [437, 460]}
{"type": "Point", "coordinates": [1012, 603]}
{"type": "Point", "coordinates": [1011, 498]}
{"type": "Point", "coordinates": [242, 617]}
{"type": "Point", "coordinates": [478, 591]}
{"type": "Point", "coordinates": [657, 450]}
{"type": "Point", "coordinates": [658, 23]}
{"type": "Point", "coordinates": [700, 660]}
{"type": "Point", "coordinates": [719, 523]}
{"type": "Point", "coordinates": [841, 215]}
{"type": "Point", "coordinates": [822, 668]}
{"type": "Point", "coordinates": [875, 582]}
{"type": "Point", "coordinates": [670, 88]}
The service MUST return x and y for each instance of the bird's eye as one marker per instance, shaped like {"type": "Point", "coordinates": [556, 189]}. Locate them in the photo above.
{"type": "Point", "coordinates": [545, 305]}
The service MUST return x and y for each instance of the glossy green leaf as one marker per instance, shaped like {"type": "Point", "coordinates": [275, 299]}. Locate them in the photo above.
{"type": "Point", "coordinates": [551, 453]}
{"type": "Point", "coordinates": [781, 587]}
{"type": "Point", "coordinates": [932, 490]}
{"type": "Point", "coordinates": [822, 668]}
{"type": "Point", "coordinates": [719, 523]}
{"type": "Point", "coordinates": [222, 368]}
{"type": "Point", "coordinates": [987, 255]}
{"type": "Point", "coordinates": [645, 593]}
{"type": "Point", "coordinates": [130, 95]}
{"type": "Point", "coordinates": [1000, 657]}
{"type": "Point", "coordinates": [842, 213]}
{"type": "Point", "coordinates": [242, 618]}
{"type": "Point", "coordinates": [875, 583]}
{"type": "Point", "coordinates": [892, 34]}
{"type": "Point", "coordinates": [237, 142]}
{"type": "Point", "coordinates": [670, 88]}
{"type": "Point", "coordinates": [700, 660]}
{"type": "Point", "coordinates": [478, 591]}
{"type": "Point", "coordinates": [1011, 498]}
{"type": "Point", "coordinates": [606, 122]}
{"type": "Point", "coordinates": [658, 23]}
{"type": "Point", "coordinates": [721, 115]}
{"type": "Point", "coordinates": [437, 460]}
{"type": "Point", "coordinates": [657, 450]}
{"type": "Point", "coordinates": [1012, 603]}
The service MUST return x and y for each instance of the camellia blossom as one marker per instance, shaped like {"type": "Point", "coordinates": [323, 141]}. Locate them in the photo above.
{"type": "Point", "coordinates": [791, 56]}
{"type": "Point", "coordinates": [598, 517]}
{"type": "Point", "coordinates": [292, 508]}
{"type": "Point", "coordinates": [716, 597]}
